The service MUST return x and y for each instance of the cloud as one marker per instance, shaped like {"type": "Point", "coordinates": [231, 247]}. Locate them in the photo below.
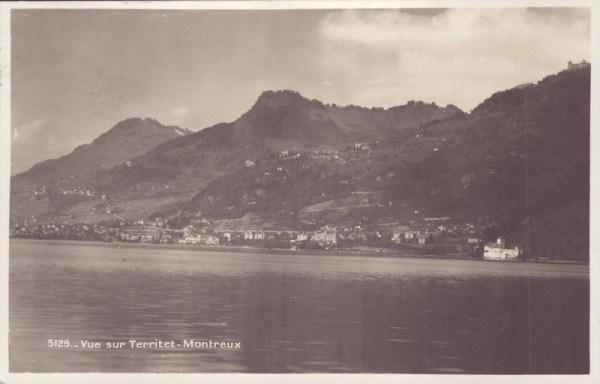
{"type": "Point", "coordinates": [25, 132]}
{"type": "Point", "coordinates": [34, 141]}
{"type": "Point", "coordinates": [458, 56]}
{"type": "Point", "coordinates": [180, 111]}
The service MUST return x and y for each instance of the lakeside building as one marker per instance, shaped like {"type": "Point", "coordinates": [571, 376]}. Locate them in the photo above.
{"type": "Point", "coordinates": [139, 234]}
{"type": "Point", "coordinates": [499, 251]}
{"type": "Point", "coordinates": [397, 237]}
{"type": "Point", "coordinates": [327, 235]}
{"type": "Point", "coordinates": [302, 236]}
{"type": "Point", "coordinates": [410, 234]}
{"type": "Point", "coordinates": [423, 238]}
{"type": "Point", "coordinates": [254, 235]}
{"type": "Point", "coordinates": [200, 239]}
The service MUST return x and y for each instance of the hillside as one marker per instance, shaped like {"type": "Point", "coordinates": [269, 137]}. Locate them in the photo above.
{"type": "Point", "coordinates": [519, 161]}
{"type": "Point", "coordinates": [53, 186]}
{"type": "Point", "coordinates": [521, 158]}
{"type": "Point", "coordinates": [169, 175]}
{"type": "Point", "coordinates": [128, 139]}
{"type": "Point", "coordinates": [167, 169]}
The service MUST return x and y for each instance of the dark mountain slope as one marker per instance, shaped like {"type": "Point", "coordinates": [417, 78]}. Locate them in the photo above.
{"type": "Point", "coordinates": [278, 120]}
{"type": "Point", "coordinates": [124, 141]}
{"type": "Point", "coordinates": [286, 114]}
{"type": "Point", "coordinates": [520, 157]}
{"type": "Point", "coordinates": [518, 160]}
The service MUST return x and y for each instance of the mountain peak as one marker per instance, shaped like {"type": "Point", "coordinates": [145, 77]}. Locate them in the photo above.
{"type": "Point", "coordinates": [136, 122]}
{"type": "Point", "coordinates": [137, 125]}
{"type": "Point", "coordinates": [127, 139]}
{"type": "Point", "coordinates": [275, 99]}
{"type": "Point", "coordinates": [282, 94]}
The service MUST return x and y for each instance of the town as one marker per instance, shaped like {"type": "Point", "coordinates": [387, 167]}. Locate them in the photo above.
{"type": "Point", "coordinates": [439, 236]}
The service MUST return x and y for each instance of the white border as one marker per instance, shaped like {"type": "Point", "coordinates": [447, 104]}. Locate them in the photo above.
{"type": "Point", "coordinates": [5, 133]}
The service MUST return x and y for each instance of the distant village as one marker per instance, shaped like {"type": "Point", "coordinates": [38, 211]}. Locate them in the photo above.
{"type": "Point", "coordinates": [429, 236]}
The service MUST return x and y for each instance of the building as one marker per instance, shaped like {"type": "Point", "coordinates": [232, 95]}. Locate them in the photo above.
{"type": "Point", "coordinates": [211, 240]}
{"type": "Point", "coordinates": [409, 235]}
{"type": "Point", "coordinates": [325, 236]}
{"type": "Point", "coordinates": [572, 66]}
{"type": "Point", "coordinates": [188, 230]}
{"type": "Point", "coordinates": [423, 239]}
{"type": "Point", "coordinates": [302, 236]}
{"type": "Point", "coordinates": [397, 236]}
{"type": "Point", "coordinates": [499, 251]}
{"type": "Point", "coordinates": [201, 239]}
{"type": "Point", "coordinates": [140, 234]}
{"type": "Point", "coordinates": [254, 235]}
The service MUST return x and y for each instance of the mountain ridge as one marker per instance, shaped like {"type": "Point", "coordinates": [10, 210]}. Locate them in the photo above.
{"type": "Point", "coordinates": [292, 160]}
{"type": "Point", "coordinates": [128, 138]}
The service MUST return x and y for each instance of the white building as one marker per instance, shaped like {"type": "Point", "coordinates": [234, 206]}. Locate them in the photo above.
{"type": "Point", "coordinates": [498, 251]}
{"type": "Point", "coordinates": [409, 235]}
{"type": "Point", "coordinates": [202, 239]}
{"type": "Point", "coordinates": [302, 236]}
{"type": "Point", "coordinates": [211, 240]}
{"type": "Point", "coordinates": [327, 235]}
{"type": "Point", "coordinates": [254, 235]}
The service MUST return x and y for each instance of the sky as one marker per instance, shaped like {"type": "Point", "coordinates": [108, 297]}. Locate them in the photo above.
{"type": "Point", "coordinates": [76, 73]}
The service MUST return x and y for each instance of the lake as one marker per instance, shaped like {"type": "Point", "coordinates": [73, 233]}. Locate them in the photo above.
{"type": "Point", "coordinates": [291, 312]}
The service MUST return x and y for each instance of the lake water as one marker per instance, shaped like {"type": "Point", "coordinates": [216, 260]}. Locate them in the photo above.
{"type": "Point", "coordinates": [292, 313]}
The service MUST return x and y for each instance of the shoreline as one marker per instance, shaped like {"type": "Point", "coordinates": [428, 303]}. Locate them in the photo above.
{"type": "Point", "coordinates": [356, 252]}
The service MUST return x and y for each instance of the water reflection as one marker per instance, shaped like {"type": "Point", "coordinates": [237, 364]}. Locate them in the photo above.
{"type": "Point", "coordinates": [293, 313]}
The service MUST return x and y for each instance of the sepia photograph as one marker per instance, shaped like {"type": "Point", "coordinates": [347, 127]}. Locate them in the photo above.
{"type": "Point", "coordinates": [298, 188]}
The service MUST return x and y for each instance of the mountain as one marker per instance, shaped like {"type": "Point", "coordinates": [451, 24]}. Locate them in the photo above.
{"type": "Point", "coordinates": [126, 140]}
{"type": "Point", "coordinates": [278, 121]}
{"type": "Point", "coordinates": [288, 115]}
{"type": "Point", "coordinates": [522, 157]}
{"type": "Point", "coordinates": [168, 166]}
{"type": "Point", "coordinates": [285, 119]}
{"type": "Point", "coordinates": [520, 160]}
